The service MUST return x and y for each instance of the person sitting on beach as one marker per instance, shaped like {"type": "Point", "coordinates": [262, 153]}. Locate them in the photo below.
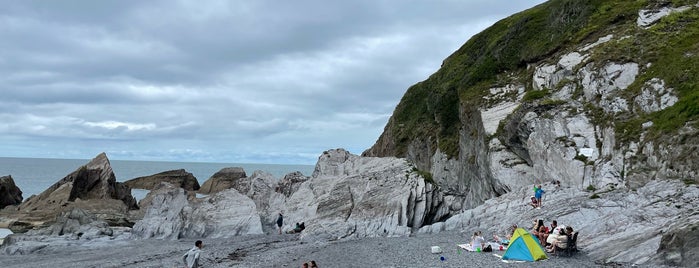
{"type": "Point", "coordinates": [313, 263]}
{"type": "Point", "coordinates": [534, 203]}
{"type": "Point", "coordinates": [561, 241]}
{"type": "Point", "coordinates": [298, 228]}
{"type": "Point", "coordinates": [540, 231]}
{"type": "Point", "coordinates": [554, 224]}
{"type": "Point", "coordinates": [477, 241]}
{"type": "Point", "coordinates": [506, 239]}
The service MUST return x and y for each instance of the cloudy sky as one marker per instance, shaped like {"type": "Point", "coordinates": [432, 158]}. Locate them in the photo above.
{"type": "Point", "coordinates": [218, 81]}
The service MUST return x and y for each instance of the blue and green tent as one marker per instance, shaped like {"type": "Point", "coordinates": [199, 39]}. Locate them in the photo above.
{"type": "Point", "coordinates": [524, 247]}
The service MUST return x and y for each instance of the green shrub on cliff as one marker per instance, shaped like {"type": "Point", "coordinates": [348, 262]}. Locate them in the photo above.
{"type": "Point", "coordinates": [433, 110]}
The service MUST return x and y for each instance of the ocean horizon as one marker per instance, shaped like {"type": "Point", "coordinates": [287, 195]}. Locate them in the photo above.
{"type": "Point", "coordinates": [34, 175]}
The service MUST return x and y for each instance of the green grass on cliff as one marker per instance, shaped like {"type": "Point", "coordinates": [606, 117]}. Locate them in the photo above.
{"type": "Point", "coordinates": [433, 109]}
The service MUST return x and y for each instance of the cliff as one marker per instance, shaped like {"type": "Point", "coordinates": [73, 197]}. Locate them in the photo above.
{"type": "Point", "coordinates": [598, 94]}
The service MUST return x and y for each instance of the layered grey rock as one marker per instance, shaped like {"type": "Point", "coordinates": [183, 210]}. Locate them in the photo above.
{"type": "Point", "coordinates": [352, 196]}
{"type": "Point", "coordinates": [10, 194]}
{"type": "Point", "coordinates": [179, 177]}
{"type": "Point", "coordinates": [620, 226]}
{"type": "Point", "coordinates": [71, 225]}
{"type": "Point", "coordinates": [172, 215]}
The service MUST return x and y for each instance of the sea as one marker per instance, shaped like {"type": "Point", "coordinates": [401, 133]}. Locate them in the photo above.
{"type": "Point", "coordinates": [34, 175]}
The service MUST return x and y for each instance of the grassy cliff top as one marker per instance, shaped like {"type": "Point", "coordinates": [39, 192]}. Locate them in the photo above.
{"type": "Point", "coordinates": [501, 55]}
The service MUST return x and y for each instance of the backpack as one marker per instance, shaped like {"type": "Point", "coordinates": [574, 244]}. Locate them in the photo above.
{"type": "Point", "coordinates": [488, 249]}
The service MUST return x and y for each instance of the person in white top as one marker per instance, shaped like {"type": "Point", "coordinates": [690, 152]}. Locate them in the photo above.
{"type": "Point", "coordinates": [191, 258]}
{"type": "Point", "coordinates": [477, 241]}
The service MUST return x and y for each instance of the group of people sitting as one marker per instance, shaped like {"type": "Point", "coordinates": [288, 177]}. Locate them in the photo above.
{"type": "Point", "coordinates": [553, 238]}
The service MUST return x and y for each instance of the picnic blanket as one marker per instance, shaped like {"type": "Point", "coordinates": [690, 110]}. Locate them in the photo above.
{"type": "Point", "coordinates": [495, 246]}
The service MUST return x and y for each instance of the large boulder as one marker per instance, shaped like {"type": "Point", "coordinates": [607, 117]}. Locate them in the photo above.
{"type": "Point", "coordinates": [10, 194]}
{"type": "Point", "coordinates": [178, 177]}
{"type": "Point", "coordinates": [173, 214]}
{"type": "Point", "coordinates": [222, 180]}
{"type": "Point", "coordinates": [92, 187]}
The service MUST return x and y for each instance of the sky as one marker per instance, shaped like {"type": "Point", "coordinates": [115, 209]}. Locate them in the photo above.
{"type": "Point", "coordinates": [218, 81]}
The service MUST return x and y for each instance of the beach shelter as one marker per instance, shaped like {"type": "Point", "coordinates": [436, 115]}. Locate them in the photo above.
{"type": "Point", "coordinates": [524, 246]}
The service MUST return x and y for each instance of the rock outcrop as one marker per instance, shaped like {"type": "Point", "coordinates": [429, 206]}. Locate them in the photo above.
{"type": "Point", "coordinates": [10, 194]}
{"type": "Point", "coordinates": [172, 215]}
{"type": "Point", "coordinates": [222, 180]}
{"type": "Point", "coordinates": [178, 177]}
{"type": "Point", "coordinates": [349, 196]}
{"type": "Point", "coordinates": [71, 225]}
{"type": "Point", "coordinates": [92, 187]}
{"type": "Point", "coordinates": [615, 226]}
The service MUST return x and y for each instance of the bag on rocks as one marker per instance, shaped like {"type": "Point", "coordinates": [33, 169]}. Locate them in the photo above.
{"type": "Point", "coordinates": [488, 249]}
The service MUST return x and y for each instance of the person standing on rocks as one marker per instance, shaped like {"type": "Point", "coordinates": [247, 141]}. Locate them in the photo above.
{"type": "Point", "coordinates": [280, 222]}
{"type": "Point", "coordinates": [538, 194]}
{"type": "Point", "coordinates": [191, 258]}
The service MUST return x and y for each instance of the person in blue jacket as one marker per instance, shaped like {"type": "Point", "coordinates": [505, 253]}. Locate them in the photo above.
{"type": "Point", "coordinates": [539, 192]}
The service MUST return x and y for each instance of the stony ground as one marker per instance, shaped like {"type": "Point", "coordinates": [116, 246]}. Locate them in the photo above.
{"type": "Point", "coordinates": [281, 251]}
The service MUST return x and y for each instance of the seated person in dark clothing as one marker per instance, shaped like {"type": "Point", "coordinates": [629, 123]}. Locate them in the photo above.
{"type": "Point", "coordinates": [298, 228]}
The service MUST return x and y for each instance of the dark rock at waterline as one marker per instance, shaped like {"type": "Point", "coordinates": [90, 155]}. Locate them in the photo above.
{"type": "Point", "coordinates": [10, 194]}
{"type": "Point", "coordinates": [19, 227]}
{"type": "Point", "coordinates": [178, 177]}
{"type": "Point", "coordinates": [224, 179]}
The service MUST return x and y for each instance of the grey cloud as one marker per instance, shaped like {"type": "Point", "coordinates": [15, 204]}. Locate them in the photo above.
{"type": "Point", "coordinates": [271, 81]}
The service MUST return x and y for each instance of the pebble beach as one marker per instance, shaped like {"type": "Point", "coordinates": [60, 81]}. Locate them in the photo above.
{"type": "Point", "coordinates": [287, 250]}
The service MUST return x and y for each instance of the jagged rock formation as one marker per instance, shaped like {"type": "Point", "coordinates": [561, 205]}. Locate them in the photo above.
{"type": "Point", "coordinates": [172, 215]}
{"type": "Point", "coordinates": [178, 177]}
{"type": "Point", "coordinates": [92, 187]}
{"type": "Point", "coordinates": [352, 197]}
{"type": "Point", "coordinates": [222, 180]}
{"type": "Point", "coordinates": [10, 194]}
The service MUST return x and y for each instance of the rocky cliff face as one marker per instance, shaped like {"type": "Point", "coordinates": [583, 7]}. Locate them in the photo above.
{"type": "Point", "coordinates": [607, 100]}
{"type": "Point", "coordinates": [352, 197]}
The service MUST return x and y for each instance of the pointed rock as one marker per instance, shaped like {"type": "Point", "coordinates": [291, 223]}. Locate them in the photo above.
{"type": "Point", "coordinates": [92, 187]}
